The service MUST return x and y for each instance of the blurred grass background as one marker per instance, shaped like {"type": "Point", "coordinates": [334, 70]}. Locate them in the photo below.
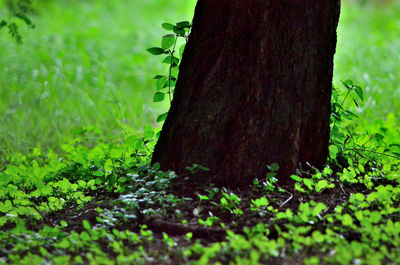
{"type": "Point", "coordinates": [85, 65]}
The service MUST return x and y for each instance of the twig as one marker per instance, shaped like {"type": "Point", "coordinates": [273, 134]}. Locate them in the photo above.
{"type": "Point", "coordinates": [291, 197]}
{"type": "Point", "coordinates": [288, 200]}
{"type": "Point", "coordinates": [341, 187]}
{"type": "Point", "coordinates": [374, 152]}
{"type": "Point", "coordinates": [170, 69]}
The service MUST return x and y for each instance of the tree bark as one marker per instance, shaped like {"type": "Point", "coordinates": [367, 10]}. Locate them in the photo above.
{"type": "Point", "coordinates": [254, 88]}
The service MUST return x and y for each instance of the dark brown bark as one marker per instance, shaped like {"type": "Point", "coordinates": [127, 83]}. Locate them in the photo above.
{"type": "Point", "coordinates": [254, 88]}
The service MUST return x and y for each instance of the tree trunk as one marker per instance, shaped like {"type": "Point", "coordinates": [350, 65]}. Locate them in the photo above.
{"type": "Point", "coordinates": [254, 88]}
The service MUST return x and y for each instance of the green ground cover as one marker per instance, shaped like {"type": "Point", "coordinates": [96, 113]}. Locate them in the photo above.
{"type": "Point", "coordinates": [84, 65]}
{"type": "Point", "coordinates": [69, 196]}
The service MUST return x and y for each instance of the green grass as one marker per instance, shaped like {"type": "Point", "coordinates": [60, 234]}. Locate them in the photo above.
{"type": "Point", "coordinates": [368, 52]}
{"type": "Point", "coordinates": [84, 65]}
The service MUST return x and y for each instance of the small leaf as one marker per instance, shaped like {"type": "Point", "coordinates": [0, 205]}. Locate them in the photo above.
{"type": "Point", "coordinates": [183, 24]}
{"type": "Point", "coordinates": [359, 197]}
{"type": "Point", "coordinates": [379, 137]}
{"type": "Point", "coordinates": [169, 83]}
{"type": "Point", "coordinates": [160, 83]}
{"type": "Point", "coordinates": [347, 220]}
{"type": "Point", "coordinates": [274, 167]}
{"type": "Point", "coordinates": [168, 26]}
{"type": "Point", "coordinates": [178, 30]}
{"type": "Point", "coordinates": [156, 51]}
{"type": "Point", "coordinates": [3, 23]}
{"type": "Point", "coordinates": [359, 93]}
{"type": "Point", "coordinates": [98, 173]}
{"type": "Point", "coordinates": [322, 184]}
{"type": "Point", "coordinates": [296, 178]}
{"type": "Point", "coordinates": [376, 217]}
{"type": "Point", "coordinates": [168, 41]}
{"type": "Point", "coordinates": [108, 165]}
{"type": "Point", "coordinates": [348, 82]}
{"type": "Point", "coordinates": [319, 208]}
{"type": "Point", "coordinates": [333, 151]}
{"type": "Point", "coordinates": [25, 19]}
{"type": "Point", "coordinates": [171, 60]}
{"type": "Point", "coordinates": [162, 117]}
{"type": "Point", "coordinates": [158, 97]}
{"type": "Point", "coordinates": [64, 244]}
{"type": "Point", "coordinates": [86, 224]}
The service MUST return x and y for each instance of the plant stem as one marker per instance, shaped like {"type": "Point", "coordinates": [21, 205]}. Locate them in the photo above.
{"type": "Point", "coordinates": [170, 69]}
{"type": "Point", "coordinates": [374, 152]}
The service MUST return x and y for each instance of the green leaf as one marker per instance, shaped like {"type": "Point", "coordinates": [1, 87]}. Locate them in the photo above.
{"type": "Point", "coordinates": [24, 18]}
{"type": "Point", "coordinates": [274, 167]}
{"type": "Point", "coordinates": [156, 51]}
{"type": "Point", "coordinates": [162, 117]}
{"type": "Point", "coordinates": [6, 206]}
{"type": "Point", "coordinates": [183, 24]}
{"type": "Point", "coordinates": [347, 220]}
{"type": "Point", "coordinates": [379, 136]}
{"type": "Point", "coordinates": [333, 151]}
{"type": "Point", "coordinates": [97, 174]}
{"type": "Point", "coordinates": [359, 197]}
{"type": "Point", "coordinates": [64, 244]}
{"type": "Point", "coordinates": [348, 82]}
{"type": "Point", "coordinates": [319, 208]}
{"type": "Point", "coordinates": [160, 83]}
{"type": "Point", "coordinates": [14, 32]}
{"type": "Point", "coordinates": [203, 197]}
{"type": "Point", "coordinates": [169, 83]}
{"type": "Point", "coordinates": [168, 26]}
{"type": "Point", "coordinates": [309, 183]}
{"type": "Point", "coordinates": [171, 60]}
{"type": "Point", "coordinates": [3, 23]}
{"type": "Point", "coordinates": [376, 217]}
{"type": "Point", "coordinates": [181, 32]}
{"type": "Point", "coordinates": [359, 92]}
{"type": "Point", "coordinates": [174, 72]}
{"type": "Point", "coordinates": [168, 41]}
{"type": "Point", "coordinates": [86, 224]}
{"type": "Point", "coordinates": [158, 97]}
{"type": "Point", "coordinates": [47, 190]}
{"type": "Point", "coordinates": [296, 178]}
{"type": "Point", "coordinates": [108, 165]}
{"type": "Point", "coordinates": [322, 184]}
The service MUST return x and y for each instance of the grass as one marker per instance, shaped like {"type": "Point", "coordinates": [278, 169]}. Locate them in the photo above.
{"type": "Point", "coordinates": [367, 52]}
{"type": "Point", "coordinates": [89, 69]}
{"type": "Point", "coordinates": [82, 69]}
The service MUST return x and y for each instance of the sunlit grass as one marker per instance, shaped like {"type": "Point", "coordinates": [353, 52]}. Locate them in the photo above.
{"type": "Point", "coordinates": [368, 52]}
{"type": "Point", "coordinates": [84, 65]}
